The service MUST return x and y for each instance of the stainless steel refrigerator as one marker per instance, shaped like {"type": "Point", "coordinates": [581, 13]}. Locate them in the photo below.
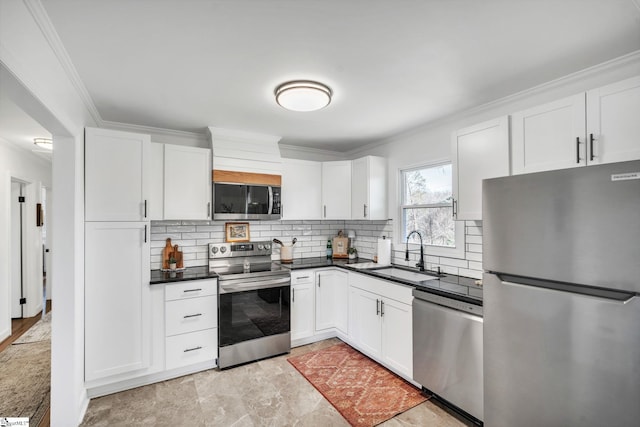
{"type": "Point", "coordinates": [561, 254]}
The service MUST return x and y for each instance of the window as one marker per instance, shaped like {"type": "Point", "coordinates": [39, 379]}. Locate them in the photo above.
{"type": "Point", "coordinates": [427, 207]}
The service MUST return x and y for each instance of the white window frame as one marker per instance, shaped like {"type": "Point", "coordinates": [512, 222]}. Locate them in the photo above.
{"type": "Point", "coordinates": [458, 251]}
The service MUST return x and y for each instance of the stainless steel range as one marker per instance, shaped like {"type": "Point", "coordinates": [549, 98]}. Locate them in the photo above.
{"type": "Point", "coordinates": [253, 302]}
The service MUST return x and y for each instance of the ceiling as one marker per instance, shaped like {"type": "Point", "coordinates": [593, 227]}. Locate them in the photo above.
{"type": "Point", "coordinates": [392, 65]}
{"type": "Point", "coordinates": [19, 129]}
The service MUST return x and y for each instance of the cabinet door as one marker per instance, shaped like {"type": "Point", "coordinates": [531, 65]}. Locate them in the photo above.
{"type": "Point", "coordinates": [187, 182]}
{"type": "Point", "coordinates": [336, 190]}
{"type": "Point", "coordinates": [156, 182]}
{"type": "Point", "coordinates": [340, 283]}
{"type": "Point", "coordinates": [549, 136]}
{"type": "Point", "coordinates": [301, 189]}
{"type": "Point", "coordinates": [116, 182]}
{"type": "Point", "coordinates": [369, 188]}
{"type": "Point", "coordinates": [397, 339]}
{"type": "Point", "coordinates": [613, 128]}
{"type": "Point", "coordinates": [117, 299]}
{"type": "Point", "coordinates": [365, 321]}
{"type": "Point", "coordinates": [478, 152]}
{"type": "Point", "coordinates": [302, 313]}
{"type": "Point", "coordinates": [325, 297]}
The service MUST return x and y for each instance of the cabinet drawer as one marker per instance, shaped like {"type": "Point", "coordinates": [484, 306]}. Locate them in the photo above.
{"type": "Point", "coordinates": [302, 277]}
{"type": "Point", "coordinates": [192, 314]}
{"type": "Point", "coordinates": [190, 289]}
{"type": "Point", "coordinates": [194, 347]}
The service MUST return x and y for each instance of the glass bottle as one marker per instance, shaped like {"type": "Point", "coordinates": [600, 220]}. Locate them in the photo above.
{"type": "Point", "coordinates": [329, 249]}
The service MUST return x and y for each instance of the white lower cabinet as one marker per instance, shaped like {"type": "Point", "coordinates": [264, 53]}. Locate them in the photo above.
{"type": "Point", "coordinates": [191, 322]}
{"type": "Point", "coordinates": [381, 321]}
{"type": "Point", "coordinates": [332, 296]}
{"type": "Point", "coordinates": [302, 305]}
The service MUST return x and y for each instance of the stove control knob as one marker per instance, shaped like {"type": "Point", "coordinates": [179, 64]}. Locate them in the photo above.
{"type": "Point", "coordinates": [214, 249]}
{"type": "Point", "coordinates": [267, 247]}
{"type": "Point", "coordinates": [223, 249]}
{"type": "Point", "coordinates": [260, 247]}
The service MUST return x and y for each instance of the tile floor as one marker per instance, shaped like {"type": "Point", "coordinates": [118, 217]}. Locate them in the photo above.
{"type": "Point", "coordinates": [265, 393]}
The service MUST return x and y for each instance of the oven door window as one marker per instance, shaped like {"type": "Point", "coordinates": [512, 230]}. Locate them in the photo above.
{"type": "Point", "coordinates": [259, 200]}
{"type": "Point", "coordinates": [253, 314]}
{"type": "Point", "coordinates": [230, 198]}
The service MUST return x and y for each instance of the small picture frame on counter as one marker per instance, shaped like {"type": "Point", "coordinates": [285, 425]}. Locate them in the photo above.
{"type": "Point", "coordinates": [236, 231]}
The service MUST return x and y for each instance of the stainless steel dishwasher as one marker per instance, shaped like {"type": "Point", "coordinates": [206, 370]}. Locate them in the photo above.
{"type": "Point", "coordinates": [447, 350]}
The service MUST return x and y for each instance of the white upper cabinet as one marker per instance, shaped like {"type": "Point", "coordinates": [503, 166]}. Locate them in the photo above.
{"type": "Point", "coordinates": [478, 152]}
{"type": "Point", "coordinates": [369, 188]}
{"type": "Point", "coordinates": [336, 190]}
{"type": "Point", "coordinates": [116, 168]}
{"type": "Point", "coordinates": [613, 124]}
{"type": "Point", "coordinates": [187, 182]}
{"type": "Point", "coordinates": [156, 184]}
{"type": "Point", "coordinates": [599, 126]}
{"type": "Point", "coordinates": [301, 189]}
{"type": "Point", "coordinates": [549, 136]}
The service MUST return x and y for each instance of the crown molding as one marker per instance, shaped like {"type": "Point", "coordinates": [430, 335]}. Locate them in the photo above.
{"type": "Point", "coordinates": [49, 32]}
{"type": "Point", "coordinates": [313, 151]}
{"type": "Point", "coordinates": [153, 130]}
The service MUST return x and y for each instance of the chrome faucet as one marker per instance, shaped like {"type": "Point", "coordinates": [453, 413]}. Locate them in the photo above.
{"type": "Point", "coordinates": [420, 264]}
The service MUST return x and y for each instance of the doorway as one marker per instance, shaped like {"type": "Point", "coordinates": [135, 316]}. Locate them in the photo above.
{"type": "Point", "coordinates": [17, 292]}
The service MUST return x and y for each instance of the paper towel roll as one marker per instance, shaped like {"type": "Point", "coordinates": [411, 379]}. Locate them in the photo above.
{"type": "Point", "coordinates": [384, 251]}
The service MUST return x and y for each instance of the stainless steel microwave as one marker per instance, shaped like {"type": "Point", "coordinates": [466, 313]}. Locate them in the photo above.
{"type": "Point", "coordinates": [246, 201]}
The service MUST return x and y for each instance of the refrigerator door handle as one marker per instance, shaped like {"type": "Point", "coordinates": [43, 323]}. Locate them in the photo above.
{"type": "Point", "coordinates": [608, 295]}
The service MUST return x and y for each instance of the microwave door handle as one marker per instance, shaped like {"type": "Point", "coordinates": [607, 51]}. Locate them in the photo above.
{"type": "Point", "coordinates": [270, 202]}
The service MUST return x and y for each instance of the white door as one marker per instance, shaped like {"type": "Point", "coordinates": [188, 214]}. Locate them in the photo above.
{"type": "Point", "coordinates": [302, 313]}
{"type": "Point", "coordinates": [117, 302]}
{"type": "Point", "coordinates": [336, 190]}
{"type": "Point", "coordinates": [187, 182]}
{"type": "Point", "coordinates": [116, 164]}
{"type": "Point", "coordinates": [365, 321]}
{"type": "Point", "coordinates": [613, 127]}
{"type": "Point", "coordinates": [16, 248]}
{"type": "Point", "coordinates": [479, 152]}
{"type": "Point", "coordinates": [397, 338]}
{"type": "Point", "coordinates": [301, 189]}
{"type": "Point", "coordinates": [550, 136]}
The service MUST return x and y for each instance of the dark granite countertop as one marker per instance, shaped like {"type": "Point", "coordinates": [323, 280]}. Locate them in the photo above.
{"type": "Point", "coordinates": [190, 273]}
{"type": "Point", "coordinates": [447, 285]}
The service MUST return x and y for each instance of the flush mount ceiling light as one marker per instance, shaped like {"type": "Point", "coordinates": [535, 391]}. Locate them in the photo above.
{"type": "Point", "coordinates": [45, 143]}
{"type": "Point", "coordinates": [303, 95]}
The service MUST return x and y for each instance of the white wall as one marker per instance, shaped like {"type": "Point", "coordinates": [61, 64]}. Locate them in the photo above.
{"type": "Point", "coordinates": [432, 143]}
{"type": "Point", "coordinates": [35, 74]}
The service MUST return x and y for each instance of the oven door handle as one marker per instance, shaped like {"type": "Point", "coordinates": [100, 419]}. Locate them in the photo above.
{"type": "Point", "coordinates": [241, 286]}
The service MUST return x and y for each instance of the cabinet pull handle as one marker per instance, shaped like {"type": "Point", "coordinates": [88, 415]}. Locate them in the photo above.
{"type": "Point", "coordinates": [302, 277]}
{"type": "Point", "coordinates": [591, 146]}
{"type": "Point", "coordinates": [577, 149]}
{"type": "Point", "coordinates": [365, 210]}
{"type": "Point", "coordinates": [145, 233]}
{"type": "Point", "coordinates": [377, 307]}
{"type": "Point", "coordinates": [325, 211]}
{"type": "Point", "coordinates": [453, 208]}
{"type": "Point", "coordinates": [319, 276]}
{"type": "Point", "coordinates": [208, 209]}
{"type": "Point", "coordinates": [192, 315]}
{"type": "Point", "coordinates": [145, 208]}
{"type": "Point", "coordinates": [192, 290]}
{"type": "Point", "coordinates": [193, 349]}
{"type": "Point", "coordinates": [381, 308]}
{"type": "Point", "coordinates": [293, 292]}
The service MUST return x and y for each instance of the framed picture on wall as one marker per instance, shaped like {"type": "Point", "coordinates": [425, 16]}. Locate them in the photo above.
{"type": "Point", "coordinates": [236, 231]}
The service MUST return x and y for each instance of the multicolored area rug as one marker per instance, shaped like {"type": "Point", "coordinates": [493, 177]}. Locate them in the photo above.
{"type": "Point", "coordinates": [365, 393]}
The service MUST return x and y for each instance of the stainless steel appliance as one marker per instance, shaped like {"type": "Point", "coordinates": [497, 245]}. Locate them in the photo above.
{"type": "Point", "coordinates": [253, 302]}
{"type": "Point", "coordinates": [561, 306]}
{"type": "Point", "coordinates": [447, 350]}
{"type": "Point", "coordinates": [246, 201]}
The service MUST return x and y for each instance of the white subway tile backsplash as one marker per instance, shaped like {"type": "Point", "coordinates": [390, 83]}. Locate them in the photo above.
{"type": "Point", "coordinates": [473, 256]}
{"type": "Point", "coordinates": [474, 274]}
{"type": "Point", "coordinates": [181, 229]}
{"type": "Point", "coordinates": [474, 231]}
{"type": "Point", "coordinates": [473, 265]}
{"type": "Point", "coordinates": [454, 262]}
{"type": "Point", "coordinates": [471, 247]}
{"type": "Point", "coordinates": [474, 239]}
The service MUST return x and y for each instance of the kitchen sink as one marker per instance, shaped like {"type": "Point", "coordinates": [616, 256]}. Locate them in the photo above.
{"type": "Point", "coordinates": [399, 273]}
{"type": "Point", "coordinates": [367, 265]}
